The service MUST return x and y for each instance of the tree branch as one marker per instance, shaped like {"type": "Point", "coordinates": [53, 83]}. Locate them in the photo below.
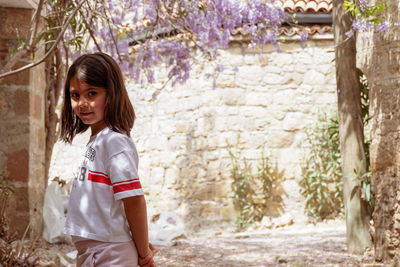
{"type": "Point", "coordinates": [59, 37]}
{"type": "Point", "coordinates": [91, 32]}
{"type": "Point", "coordinates": [34, 29]}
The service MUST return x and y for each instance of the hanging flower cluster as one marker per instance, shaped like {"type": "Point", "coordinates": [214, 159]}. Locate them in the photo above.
{"type": "Point", "coordinates": [368, 16]}
{"type": "Point", "coordinates": [142, 34]}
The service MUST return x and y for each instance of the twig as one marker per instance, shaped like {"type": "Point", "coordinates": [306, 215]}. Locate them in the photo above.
{"type": "Point", "coordinates": [158, 90]}
{"type": "Point", "coordinates": [60, 35]}
{"type": "Point", "coordinates": [35, 25]}
{"type": "Point", "coordinates": [91, 32]}
{"type": "Point", "coordinates": [112, 37]}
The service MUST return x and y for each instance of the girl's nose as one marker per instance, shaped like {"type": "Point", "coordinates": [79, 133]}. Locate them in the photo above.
{"type": "Point", "coordinates": [83, 103]}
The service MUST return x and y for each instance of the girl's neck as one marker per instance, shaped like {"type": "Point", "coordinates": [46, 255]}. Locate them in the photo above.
{"type": "Point", "coordinates": [96, 128]}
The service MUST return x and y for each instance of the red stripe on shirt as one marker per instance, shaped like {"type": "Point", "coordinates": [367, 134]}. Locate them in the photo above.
{"type": "Point", "coordinates": [127, 187]}
{"type": "Point", "coordinates": [127, 181]}
{"type": "Point", "coordinates": [99, 179]}
{"type": "Point", "coordinates": [101, 173]}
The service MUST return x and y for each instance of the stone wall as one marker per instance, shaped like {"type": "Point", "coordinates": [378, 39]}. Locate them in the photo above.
{"type": "Point", "coordinates": [22, 129]}
{"type": "Point", "coordinates": [182, 134]}
{"type": "Point", "coordinates": [379, 58]}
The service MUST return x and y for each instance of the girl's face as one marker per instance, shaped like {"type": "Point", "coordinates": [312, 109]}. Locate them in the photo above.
{"type": "Point", "coordinates": [88, 103]}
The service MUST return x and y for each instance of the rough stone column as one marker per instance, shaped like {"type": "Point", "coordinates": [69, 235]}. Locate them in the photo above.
{"type": "Point", "coordinates": [22, 131]}
{"type": "Point", "coordinates": [379, 58]}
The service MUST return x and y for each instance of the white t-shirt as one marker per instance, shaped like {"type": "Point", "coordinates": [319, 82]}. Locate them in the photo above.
{"type": "Point", "coordinates": [107, 174]}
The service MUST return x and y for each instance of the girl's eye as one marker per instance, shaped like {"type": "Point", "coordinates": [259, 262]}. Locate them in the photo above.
{"type": "Point", "coordinates": [74, 95]}
{"type": "Point", "coordinates": [92, 93]}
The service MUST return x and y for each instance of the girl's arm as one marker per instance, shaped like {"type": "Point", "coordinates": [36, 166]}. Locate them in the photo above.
{"type": "Point", "coordinates": [136, 214]}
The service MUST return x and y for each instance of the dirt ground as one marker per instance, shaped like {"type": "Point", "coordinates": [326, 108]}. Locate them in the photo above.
{"type": "Point", "coordinates": [322, 244]}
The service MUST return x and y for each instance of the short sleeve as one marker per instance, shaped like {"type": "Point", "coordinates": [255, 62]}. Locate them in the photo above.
{"type": "Point", "coordinates": [122, 169]}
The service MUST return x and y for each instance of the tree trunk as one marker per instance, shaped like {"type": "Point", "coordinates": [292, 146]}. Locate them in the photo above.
{"type": "Point", "coordinates": [351, 132]}
{"type": "Point", "coordinates": [54, 72]}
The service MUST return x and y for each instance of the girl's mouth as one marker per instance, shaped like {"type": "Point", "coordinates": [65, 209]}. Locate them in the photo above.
{"type": "Point", "coordinates": [85, 114]}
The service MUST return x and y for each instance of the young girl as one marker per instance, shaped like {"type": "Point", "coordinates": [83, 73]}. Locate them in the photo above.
{"type": "Point", "coordinates": [107, 216]}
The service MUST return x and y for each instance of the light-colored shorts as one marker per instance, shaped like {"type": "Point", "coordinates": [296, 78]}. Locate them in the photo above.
{"type": "Point", "coordinates": [92, 253]}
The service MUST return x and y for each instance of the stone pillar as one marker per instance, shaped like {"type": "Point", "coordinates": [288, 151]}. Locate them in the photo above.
{"type": "Point", "coordinates": [22, 130]}
{"type": "Point", "coordinates": [379, 58]}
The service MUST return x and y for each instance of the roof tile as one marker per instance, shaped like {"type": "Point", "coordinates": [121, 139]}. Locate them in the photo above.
{"type": "Point", "coordinates": [306, 6]}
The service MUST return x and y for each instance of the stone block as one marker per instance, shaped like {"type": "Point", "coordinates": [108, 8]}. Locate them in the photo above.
{"type": "Point", "coordinates": [204, 191]}
{"type": "Point", "coordinates": [20, 78]}
{"type": "Point", "coordinates": [165, 127]}
{"type": "Point", "coordinates": [223, 189]}
{"type": "Point", "coordinates": [208, 208]}
{"type": "Point", "coordinates": [280, 139]}
{"type": "Point", "coordinates": [281, 100]}
{"type": "Point", "coordinates": [36, 106]}
{"type": "Point", "coordinates": [14, 22]}
{"type": "Point", "coordinates": [293, 122]}
{"type": "Point", "coordinates": [278, 115]}
{"type": "Point", "coordinates": [258, 99]}
{"type": "Point", "coordinates": [249, 75]}
{"type": "Point", "coordinates": [4, 106]}
{"type": "Point", "coordinates": [227, 211]}
{"type": "Point", "coordinates": [213, 172]}
{"type": "Point", "coordinates": [251, 59]}
{"type": "Point", "coordinates": [301, 68]}
{"type": "Point", "coordinates": [225, 80]}
{"type": "Point", "coordinates": [234, 97]}
{"type": "Point", "coordinates": [239, 124]}
{"type": "Point", "coordinates": [18, 165]}
{"type": "Point", "coordinates": [163, 158]}
{"type": "Point", "coordinates": [313, 77]}
{"type": "Point", "coordinates": [294, 77]}
{"type": "Point", "coordinates": [282, 59]}
{"type": "Point", "coordinates": [21, 197]}
{"type": "Point", "coordinates": [171, 175]}
{"type": "Point", "coordinates": [199, 144]}
{"type": "Point", "coordinates": [232, 56]}
{"type": "Point", "coordinates": [261, 124]}
{"type": "Point", "coordinates": [222, 110]}
{"type": "Point", "coordinates": [157, 142]}
{"type": "Point", "coordinates": [18, 222]}
{"type": "Point", "coordinates": [181, 128]}
{"type": "Point", "coordinates": [254, 111]}
{"type": "Point", "coordinates": [205, 125]}
{"type": "Point", "coordinates": [21, 102]}
{"type": "Point", "coordinates": [202, 173]}
{"type": "Point", "coordinates": [188, 173]}
{"type": "Point", "coordinates": [157, 175]}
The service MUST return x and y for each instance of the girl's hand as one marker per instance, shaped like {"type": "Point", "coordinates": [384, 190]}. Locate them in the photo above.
{"type": "Point", "coordinates": [147, 261]}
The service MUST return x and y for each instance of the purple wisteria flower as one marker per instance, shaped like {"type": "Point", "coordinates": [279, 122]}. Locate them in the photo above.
{"type": "Point", "coordinates": [142, 34]}
{"type": "Point", "coordinates": [349, 34]}
{"type": "Point", "coordinates": [303, 36]}
{"type": "Point", "coordinates": [357, 25]}
{"type": "Point", "coordinates": [383, 27]}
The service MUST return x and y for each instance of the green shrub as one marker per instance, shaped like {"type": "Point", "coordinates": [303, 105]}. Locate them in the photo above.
{"type": "Point", "coordinates": [321, 181]}
{"type": "Point", "coordinates": [321, 169]}
{"type": "Point", "coordinates": [252, 192]}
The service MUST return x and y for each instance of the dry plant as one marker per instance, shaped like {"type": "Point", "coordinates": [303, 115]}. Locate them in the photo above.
{"type": "Point", "coordinates": [13, 252]}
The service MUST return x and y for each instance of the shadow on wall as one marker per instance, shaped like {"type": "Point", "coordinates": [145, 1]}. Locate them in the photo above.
{"type": "Point", "coordinates": [206, 183]}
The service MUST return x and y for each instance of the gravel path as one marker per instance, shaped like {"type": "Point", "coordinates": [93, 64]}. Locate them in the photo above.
{"type": "Point", "coordinates": [323, 244]}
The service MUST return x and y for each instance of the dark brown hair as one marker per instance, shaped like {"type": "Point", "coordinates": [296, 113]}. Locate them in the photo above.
{"type": "Point", "coordinates": [100, 70]}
